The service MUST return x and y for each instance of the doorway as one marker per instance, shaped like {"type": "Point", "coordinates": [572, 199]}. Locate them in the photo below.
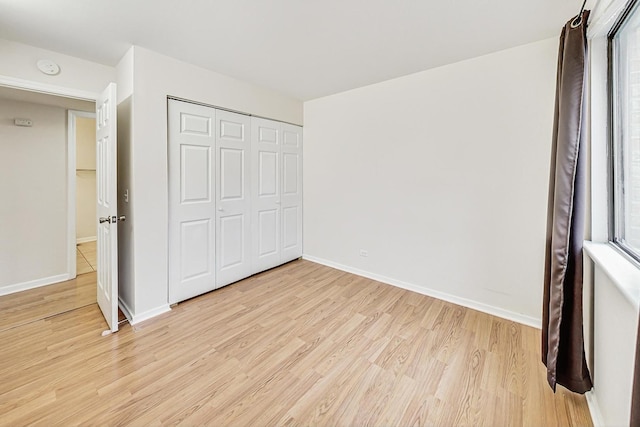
{"type": "Point", "coordinates": [38, 257]}
{"type": "Point", "coordinates": [82, 136]}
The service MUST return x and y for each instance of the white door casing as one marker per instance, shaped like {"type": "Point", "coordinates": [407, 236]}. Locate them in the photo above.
{"type": "Point", "coordinates": [107, 206]}
{"type": "Point", "coordinates": [265, 192]}
{"type": "Point", "coordinates": [233, 197]}
{"type": "Point", "coordinates": [191, 145]}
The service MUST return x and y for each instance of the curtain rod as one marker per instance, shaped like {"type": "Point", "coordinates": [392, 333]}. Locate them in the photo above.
{"type": "Point", "coordinates": [578, 19]}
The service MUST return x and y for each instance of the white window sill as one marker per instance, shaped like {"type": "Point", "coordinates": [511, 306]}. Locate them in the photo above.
{"type": "Point", "coordinates": [622, 272]}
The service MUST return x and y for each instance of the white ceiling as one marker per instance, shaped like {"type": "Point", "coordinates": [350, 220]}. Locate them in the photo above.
{"type": "Point", "coordinates": [304, 48]}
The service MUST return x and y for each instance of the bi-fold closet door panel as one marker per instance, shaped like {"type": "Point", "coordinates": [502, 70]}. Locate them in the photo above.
{"type": "Point", "coordinates": [276, 152]}
{"type": "Point", "coordinates": [291, 200]}
{"type": "Point", "coordinates": [191, 153]}
{"type": "Point", "coordinates": [233, 204]}
{"type": "Point", "coordinates": [266, 221]}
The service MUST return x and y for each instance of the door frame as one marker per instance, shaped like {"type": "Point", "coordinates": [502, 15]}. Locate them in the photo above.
{"type": "Point", "coordinates": [34, 86]}
{"type": "Point", "coordinates": [72, 116]}
{"type": "Point", "coordinates": [49, 89]}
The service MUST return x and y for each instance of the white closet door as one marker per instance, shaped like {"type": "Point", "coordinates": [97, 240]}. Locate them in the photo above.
{"type": "Point", "coordinates": [233, 206]}
{"type": "Point", "coordinates": [266, 221]}
{"type": "Point", "coordinates": [291, 198]}
{"type": "Point", "coordinates": [191, 200]}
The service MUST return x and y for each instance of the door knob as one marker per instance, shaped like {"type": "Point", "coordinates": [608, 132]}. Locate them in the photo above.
{"type": "Point", "coordinates": [111, 219]}
{"type": "Point", "coordinates": [220, 209]}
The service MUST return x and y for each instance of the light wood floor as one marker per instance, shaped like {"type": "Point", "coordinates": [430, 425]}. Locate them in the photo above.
{"type": "Point", "coordinates": [39, 303]}
{"type": "Point", "coordinates": [86, 258]}
{"type": "Point", "coordinates": [299, 345]}
{"type": "Point", "coordinates": [46, 301]}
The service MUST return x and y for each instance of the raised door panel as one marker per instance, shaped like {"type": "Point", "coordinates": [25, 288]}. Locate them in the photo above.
{"type": "Point", "coordinates": [290, 176]}
{"type": "Point", "coordinates": [233, 204]}
{"type": "Point", "coordinates": [267, 171]}
{"type": "Point", "coordinates": [290, 227]}
{"type": "Point", "coordinates": [266, 191]}
{"type": "Point", "coordinates": [195, 174]}
{"type": "Point", "coordinates": [291, 200]}
{"type": "Point", "coordinates": [268, 226]}
{"type": "Point", "coordinates": [195, 249]}
{"type": "Point", "coordinates": [232, 174]}
{"type": "Point", "coordinates": [191, 151]}
{"type": "Point", "coordinates": [231, 237]}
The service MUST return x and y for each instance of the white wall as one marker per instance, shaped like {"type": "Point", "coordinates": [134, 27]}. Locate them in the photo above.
{"type": "Point", "coordinates": [126, 282]}
{"type": "Point", "coordinates": [86, 143]}
{"type": "Point", "coordinates": [85, 179]}
{"type": "Point", "coordinates": [33, 190]}
{"type": "Point", "coordinates": [616, 322]}
{"type": "Point", "coordinates": [155, 77]}
{"type": "Point", "coordinates": [441, 176]}
{"type": "Point", "coordinates": [18, 61]}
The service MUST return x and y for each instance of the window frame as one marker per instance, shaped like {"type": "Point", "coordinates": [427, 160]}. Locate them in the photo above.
{"type": "Point", "coordinates": [615, 151]}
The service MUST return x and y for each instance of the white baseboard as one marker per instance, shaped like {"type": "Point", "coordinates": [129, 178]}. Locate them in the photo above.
{"type": "Point", "coordinates": [594, 409]}
{"type": "Point", "coordinates": [32, 284]}
{"type": "Point", "coordinates": [475, 305]}
{"type": "Point", "coordinates": [86, 239]}
{"type": "Point", "coordinates": [125, 309]}
{"type": "Point", "coordinates": [134, 319]}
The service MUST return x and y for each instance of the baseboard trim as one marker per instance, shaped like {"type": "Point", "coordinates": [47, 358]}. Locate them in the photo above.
{"type": "Point", "coordinates": [594, 409]}
{"type": "Point", "coordinates": [86, 240]}
{"type": "Point", "coordinates": [125, 309]}
{"type": "Point", "coordinates": [475, 305]}
{"type": "Point", "coordinates": [32, 284]}
{"type": "Point", "coordinates": [135, 319]}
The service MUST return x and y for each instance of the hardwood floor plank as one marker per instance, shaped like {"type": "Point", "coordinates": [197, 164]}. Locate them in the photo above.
{"type": "Point", "coordinates": [396, 402]}
{"type": "Point", "coordinates": [302, 344]}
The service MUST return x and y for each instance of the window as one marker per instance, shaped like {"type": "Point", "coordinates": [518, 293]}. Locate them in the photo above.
{"type": "Point", "coordinates": [624, 80]}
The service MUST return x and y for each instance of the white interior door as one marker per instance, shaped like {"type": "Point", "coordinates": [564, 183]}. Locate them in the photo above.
{"type": "Point", "coordinates": [265, 155]}
{"type": "Point", "coordinates": [191, 200]}
{"type": "Point", "coordinates": [291, 198]}
{"type": "Point", "coordinates": [233, 205]}
{"type": "Point", "coordinates": [107, 206]}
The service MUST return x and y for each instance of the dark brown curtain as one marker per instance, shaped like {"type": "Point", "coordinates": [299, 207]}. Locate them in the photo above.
{"type": "Point", "coordinates": [562, 335]}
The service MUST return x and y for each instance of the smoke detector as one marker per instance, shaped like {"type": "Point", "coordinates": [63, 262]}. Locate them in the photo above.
{"type": "Point", "coordinates": [48, 67]}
